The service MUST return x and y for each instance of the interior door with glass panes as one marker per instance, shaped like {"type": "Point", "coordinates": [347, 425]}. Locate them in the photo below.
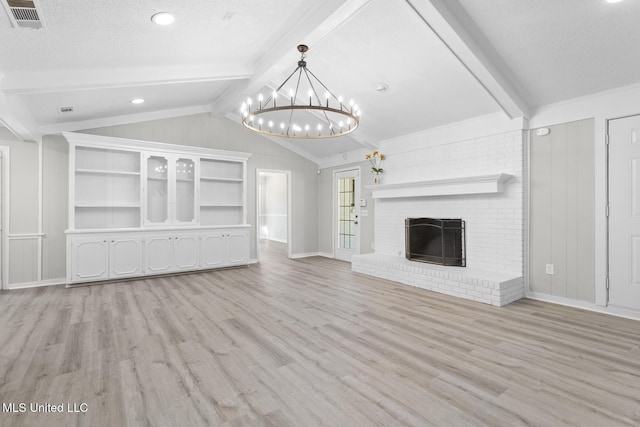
{"type": "Point", "coordinates": [347, 214]}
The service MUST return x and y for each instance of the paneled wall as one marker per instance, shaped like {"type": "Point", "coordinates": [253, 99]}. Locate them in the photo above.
{"type": "Point", "coordinates": [562, 214]}
{"type": "Point", "coordinates": [22, 226]}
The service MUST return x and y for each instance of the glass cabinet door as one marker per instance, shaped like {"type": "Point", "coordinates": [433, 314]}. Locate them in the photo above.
{"type": "Point", "coordinates": [157, 190]}
{"type": "Point", "coordinates": [185, 190]}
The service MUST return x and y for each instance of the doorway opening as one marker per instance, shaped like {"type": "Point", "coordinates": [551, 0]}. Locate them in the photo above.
{"type": "Point", "coordinates": [273, 222]}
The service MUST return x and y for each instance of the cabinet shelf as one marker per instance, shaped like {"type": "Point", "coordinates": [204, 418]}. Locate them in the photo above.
{"type": "Point", "coordinates": [220, 179]}
{"type": "Point", "coordinates": [103, 206]}
{"type": "Point", "coordinates": [106, 172]}
{"type": "Point", "coordinates": [218, 205]}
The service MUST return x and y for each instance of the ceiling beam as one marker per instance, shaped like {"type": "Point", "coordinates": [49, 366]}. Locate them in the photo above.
{"type": "Point", "coordinates": [450, 22]}
{"type": "Point", "coordinates": [15, 117]}
{"type": "Point", "coordinates": [61, 80]}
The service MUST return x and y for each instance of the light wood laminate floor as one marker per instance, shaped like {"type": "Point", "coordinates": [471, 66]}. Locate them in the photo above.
{"type": "Point", "coordinates": [308, 343]}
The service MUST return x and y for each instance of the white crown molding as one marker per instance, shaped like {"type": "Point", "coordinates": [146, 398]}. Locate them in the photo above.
{"type": "Point", "coordinates": [123, 120]}
{"type": "Point", "coordinates": [29, 82]}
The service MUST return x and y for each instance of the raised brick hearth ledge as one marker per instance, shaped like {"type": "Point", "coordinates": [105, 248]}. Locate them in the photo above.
{"type": "Point", "coordinates": [488, 287]}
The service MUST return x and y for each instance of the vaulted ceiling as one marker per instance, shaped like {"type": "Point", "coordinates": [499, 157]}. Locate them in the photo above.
{"type": "Point", "coordinates": [443, 60]}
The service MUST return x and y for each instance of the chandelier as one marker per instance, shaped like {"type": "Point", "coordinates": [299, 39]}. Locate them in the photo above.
{"type": "Point", "coordinates": [306, 113]}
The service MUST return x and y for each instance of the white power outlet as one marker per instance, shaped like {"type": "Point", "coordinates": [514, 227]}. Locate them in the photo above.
{"type": "Point", "coordinates": [549, 269]}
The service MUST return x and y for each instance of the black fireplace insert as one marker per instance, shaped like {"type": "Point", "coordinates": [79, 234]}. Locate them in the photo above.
{"type": "Point", "coordinates": [436, 241]}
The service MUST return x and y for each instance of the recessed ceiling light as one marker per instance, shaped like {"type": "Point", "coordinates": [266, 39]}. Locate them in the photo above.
{"type": "Point", "coordinates": [163, 18]}
{"type": "Point", "coordinates": [613, 1]}
{"type": "Point", "coordinates": [137, 101]}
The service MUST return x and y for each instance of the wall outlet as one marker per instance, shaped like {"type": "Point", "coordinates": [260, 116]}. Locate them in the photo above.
{"type": "Point", "coordinates": [364, 212]}
{"type": "Point", "coordinates": [549, 269]}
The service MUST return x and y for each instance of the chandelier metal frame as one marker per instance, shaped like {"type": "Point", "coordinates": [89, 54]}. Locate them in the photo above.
{"type": "Point", "coordinates": [335, 118]}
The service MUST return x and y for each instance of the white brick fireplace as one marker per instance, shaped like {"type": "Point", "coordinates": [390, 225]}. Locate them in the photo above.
{"type": "Point", "coordinates": [479, 180]}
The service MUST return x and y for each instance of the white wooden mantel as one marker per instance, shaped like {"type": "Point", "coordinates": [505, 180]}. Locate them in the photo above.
{"type": "Point", "coordinates": [441, 187]}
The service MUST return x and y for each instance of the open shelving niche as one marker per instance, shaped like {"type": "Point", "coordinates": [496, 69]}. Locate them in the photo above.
{"type": "Point", "coordinates": [112, 190]}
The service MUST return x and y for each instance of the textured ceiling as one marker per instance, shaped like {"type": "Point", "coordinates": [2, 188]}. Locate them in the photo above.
{"type": "Point", "coordinates": [113, 33]}
{"type": "Point", "coordinates": [562, 49]}
{"type": "Point", "coordinates": [444, 60]}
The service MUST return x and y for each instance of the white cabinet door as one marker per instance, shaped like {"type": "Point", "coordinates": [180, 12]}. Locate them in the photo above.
{"type": "Point", "coordinates": [238, 247]}
{"type": "Point", "coordinates": [159, 254]}
{"type": "Point", "coordinates": [89, 259]}
{"type": "Point", "coordinates": [186, 251]}
{"type": "Point", "coordinates": [125, 257]}
{"type": "Point", "coordinates": [213, 250]}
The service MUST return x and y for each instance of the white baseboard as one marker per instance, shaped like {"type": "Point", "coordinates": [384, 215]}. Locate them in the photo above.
{"type": "Point", "coordinates": [273, 240]}
{"type": "Point", "coordinates": [26, 285]}
{"type": "Point", "coordinates": [326, 255]}
{"type": "Point", "coordinates": [613, 311]}
{"type": "Point", "coordinates": [304, 255]}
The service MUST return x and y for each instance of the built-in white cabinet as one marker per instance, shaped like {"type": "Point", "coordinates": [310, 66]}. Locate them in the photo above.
{"type": "Point", "coordinates": [224, 247]}
{"type": "Point", "coordinates": [103, 257]}
{"type": "Point", "coordinates": [89, 259]}
{"type": "Point", "coordinates": [166, 253]}
{"type": "Point", "coordinates": [138, 208]}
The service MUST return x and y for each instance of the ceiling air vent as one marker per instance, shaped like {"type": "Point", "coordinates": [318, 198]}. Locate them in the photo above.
{"type": "Point", "coordinates": [63, 110]}
{"type": "Point", "coordinates": [23, 13]}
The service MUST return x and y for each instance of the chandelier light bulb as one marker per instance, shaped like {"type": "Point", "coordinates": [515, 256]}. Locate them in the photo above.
{"type": "Point", "coordinates": [249, 101]}
{"type": "Point", "coordinates": [281, 125]}
{"type": "Point", "coordinates": [275, 94]}
{"type": "Point", "coordinates": [351, 102]}
{"type": "Point", "coordinates": [306, 127]}
{"type": "Point", "coordinates": [260, 121]}
{"type": "Point", "coordinates": [260, 98]}
{"type": "Point", "coordinates": [319, 127]}
{"type": "Point", "coordinates": [270, 123]}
